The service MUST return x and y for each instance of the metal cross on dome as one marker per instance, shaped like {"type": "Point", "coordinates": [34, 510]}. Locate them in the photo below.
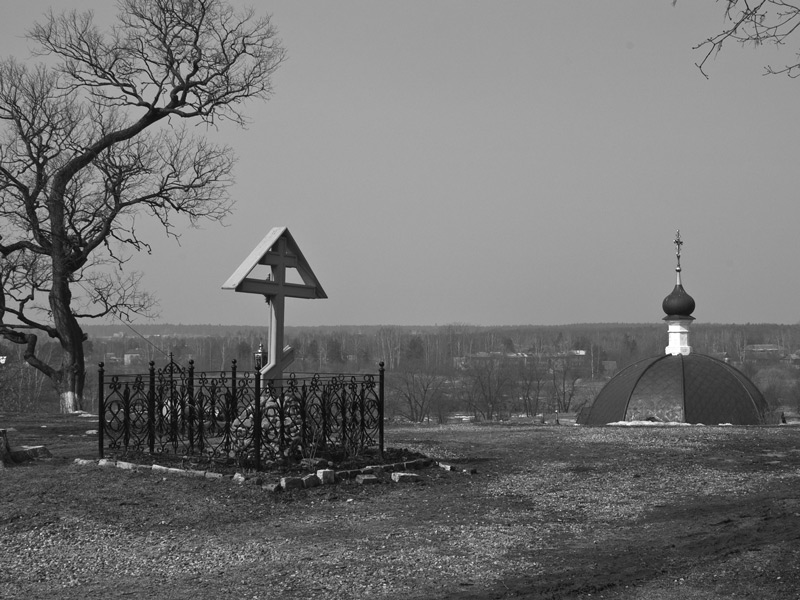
{"type": "Point", "coordinates": [280, 252]}
{"type": "Point", "coordinates": [678, 243]}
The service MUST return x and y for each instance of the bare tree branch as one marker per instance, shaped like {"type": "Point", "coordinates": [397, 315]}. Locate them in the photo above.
{"type": "Point", "coordinates": [89, 147]}
{"type": "Point", "coordinates": [755, 23]}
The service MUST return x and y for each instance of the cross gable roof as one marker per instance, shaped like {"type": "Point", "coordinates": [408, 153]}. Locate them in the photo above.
{"type": "Point", "coordinates": [277, 249]}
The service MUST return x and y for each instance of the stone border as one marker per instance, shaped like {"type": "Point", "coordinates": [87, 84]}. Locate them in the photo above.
{"type": "Point", "coordinates": [402, 472]}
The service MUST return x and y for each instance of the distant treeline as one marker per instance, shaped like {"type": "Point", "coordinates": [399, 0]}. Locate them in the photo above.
{"type": "Point", "coordinates": [433, 350]}
{"type": "Point", "coordinates": [212, 347]}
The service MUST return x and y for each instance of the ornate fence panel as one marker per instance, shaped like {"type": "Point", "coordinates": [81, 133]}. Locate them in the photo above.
{"type": "Point", "coordinates": [176, 411]}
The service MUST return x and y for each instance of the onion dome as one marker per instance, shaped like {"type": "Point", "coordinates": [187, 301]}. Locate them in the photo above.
{"type": "Point", "coordinates": [678, 305]}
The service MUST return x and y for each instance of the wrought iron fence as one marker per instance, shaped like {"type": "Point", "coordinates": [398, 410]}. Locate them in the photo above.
{"type": "Point", "coordinates": [174, 410]}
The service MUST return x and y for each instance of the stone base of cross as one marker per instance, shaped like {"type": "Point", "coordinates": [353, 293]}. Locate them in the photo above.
{"type": "Point", "coordinates": [280, 252]}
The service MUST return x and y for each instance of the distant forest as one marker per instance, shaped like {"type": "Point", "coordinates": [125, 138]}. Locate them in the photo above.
{"type": "Point", "coordinates": [432, 371]}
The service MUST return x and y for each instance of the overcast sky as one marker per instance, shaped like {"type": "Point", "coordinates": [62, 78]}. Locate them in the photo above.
{"type": "Point", "coordinates": [501, 163]}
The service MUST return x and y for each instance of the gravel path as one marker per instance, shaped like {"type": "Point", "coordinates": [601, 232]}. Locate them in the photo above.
{"type": "Point", "coordinates": [551, 513]}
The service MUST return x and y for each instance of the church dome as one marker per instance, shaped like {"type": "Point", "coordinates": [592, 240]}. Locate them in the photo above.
{"type": "Point", "coordinates": [678, 386]}
{"type": "Point", "coordinates": [679, 304]}
{"type": "Point", "coordinates": [675, 388]}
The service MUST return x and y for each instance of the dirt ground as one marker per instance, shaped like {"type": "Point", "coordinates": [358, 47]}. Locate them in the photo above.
{"type": "Point", "coordinates": [547, 512]}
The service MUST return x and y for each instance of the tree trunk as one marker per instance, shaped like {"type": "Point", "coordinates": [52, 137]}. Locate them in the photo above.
{"type": "Point", "coordinates": [70, 389]}
{"type": "Point", "coordinates": [72, 374]}
{"type": "Point", "coordinates": [70, 378]}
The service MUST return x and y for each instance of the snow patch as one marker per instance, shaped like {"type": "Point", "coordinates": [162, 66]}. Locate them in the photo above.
{"type": "Point", "coordinates": [83, 414]}
{"type": "Point", "coordinates": [662, 424]}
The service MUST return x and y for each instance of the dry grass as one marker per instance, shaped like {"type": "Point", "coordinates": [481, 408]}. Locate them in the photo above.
{"type": "Point", "coordinates": [553, 512]}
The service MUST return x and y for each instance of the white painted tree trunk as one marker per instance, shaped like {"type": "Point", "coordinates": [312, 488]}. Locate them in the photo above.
{"type": "Point", "coordinates": [69, 402]}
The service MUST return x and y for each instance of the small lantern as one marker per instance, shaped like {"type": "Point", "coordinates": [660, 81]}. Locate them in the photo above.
{"type": "Point", "coordinates": [259, 357]}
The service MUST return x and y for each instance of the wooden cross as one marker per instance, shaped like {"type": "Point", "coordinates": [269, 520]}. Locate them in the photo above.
{"type": "Point", "coordinates": [279, 251]}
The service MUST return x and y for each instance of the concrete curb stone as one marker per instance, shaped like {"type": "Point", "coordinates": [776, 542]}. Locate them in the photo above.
{"type": "Point", "coordinates": [311, 480]}
{"type": "Point", "coordinates": [401, 477]}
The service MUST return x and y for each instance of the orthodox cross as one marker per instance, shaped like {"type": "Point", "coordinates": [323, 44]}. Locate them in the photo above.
{"type": "Point", "coordinates": [280, 253]}
{"type": "Point", "coordinates": [678, 243]}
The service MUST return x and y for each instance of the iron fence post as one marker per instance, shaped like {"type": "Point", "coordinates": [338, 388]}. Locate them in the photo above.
{"type": "Point", "coordinates": [190, 401]}
{"type": "Point", "coordinates": [159, 393]}
{"type": "Point", "coordinates": [151, 408]}
{"type": "Point", "coordinates": [101, 408]}
{"type": "Point", "coordinates": [231, 408]}
{"type": "Point", "coordinates": [174, 404]}
{"type": "Point", "coordinates": [257, 420]}
{"type": "Point", "coordinates": [381, 381]}
{"type": "Point", "coordinates": [343, 410]}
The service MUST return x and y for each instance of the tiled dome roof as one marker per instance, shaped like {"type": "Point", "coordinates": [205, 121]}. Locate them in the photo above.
{"type": "Point", "coordinates": [679, 386]}
{"type": "Point", "coordinates": [691, 389]}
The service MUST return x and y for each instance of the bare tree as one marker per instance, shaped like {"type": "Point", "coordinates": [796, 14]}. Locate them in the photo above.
{"type": "Point", "coordinates": [419, 393]}
{"type": "Point", "coordinates": [89, 143]}
{"type": "Point", "coordinates": [564, 378]}
{"type": "Point", "coordinates": [530, 379]}
{"type": "Point", "coordinates": [491, 381]}
{"type": "Point", "coordinates": [756, 23]}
